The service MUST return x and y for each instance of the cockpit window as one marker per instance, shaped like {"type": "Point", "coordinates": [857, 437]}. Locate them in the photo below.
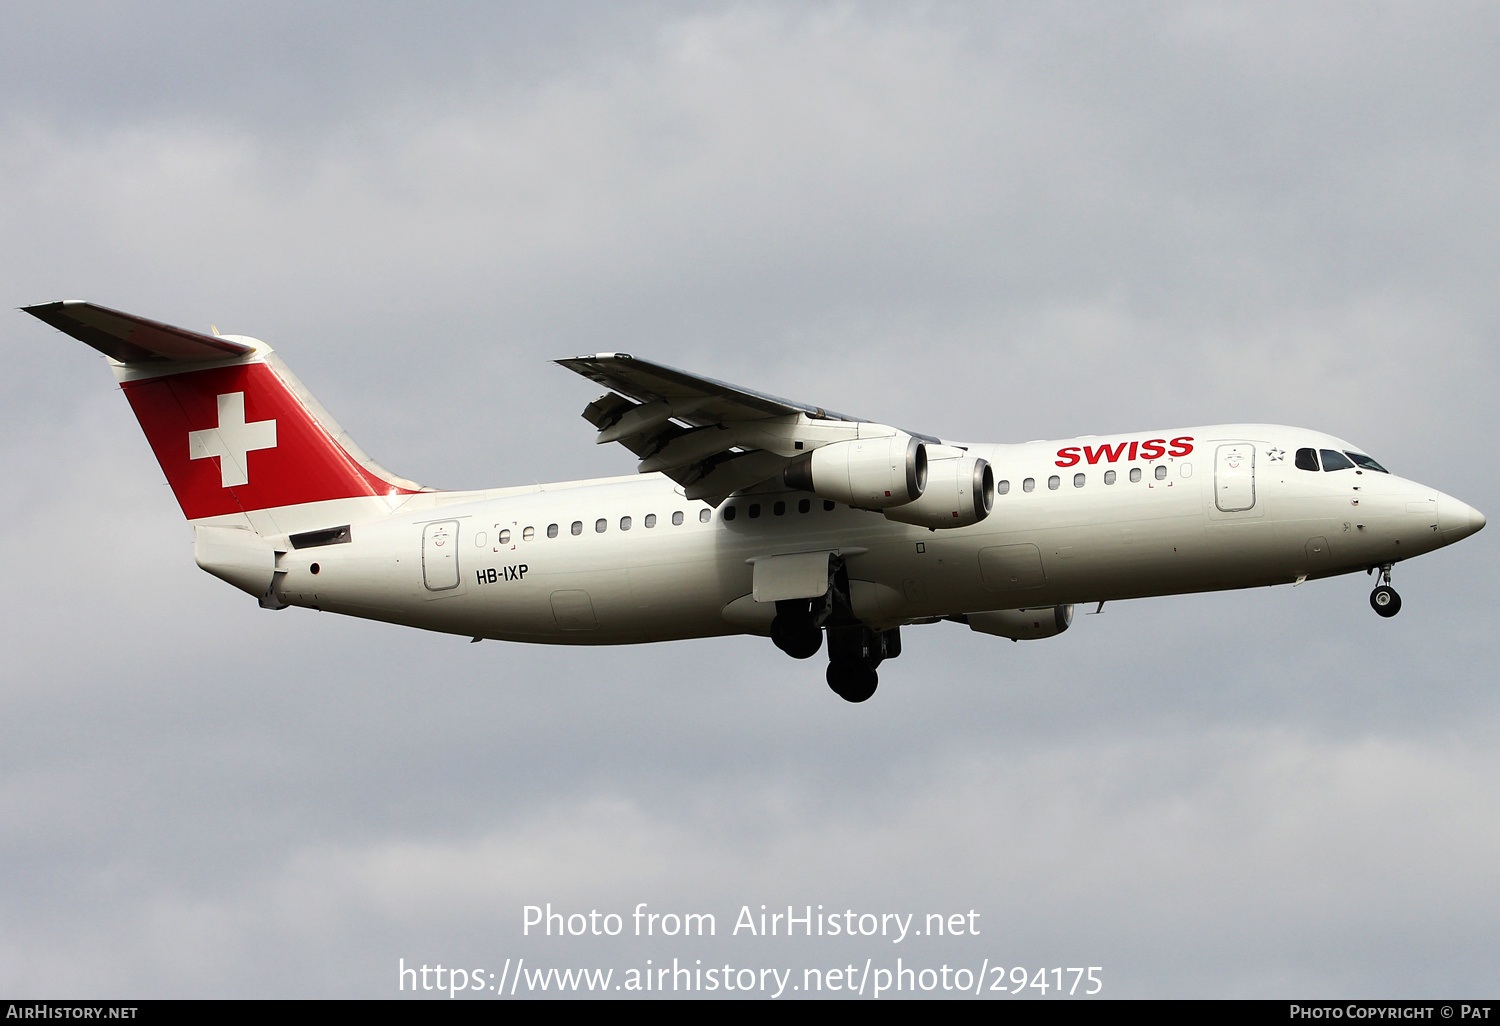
{"type": "Point", "coordinates": [1307, 459]}
{"type": "Point", "coordinates": [1365, 463]}
{"type": "Point", "coordinates": [1334, 460]}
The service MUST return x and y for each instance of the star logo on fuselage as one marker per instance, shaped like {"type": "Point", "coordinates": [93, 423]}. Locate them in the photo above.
{"type": "Point", "coordinates": [232, 440]}
{"type": "Point", "coordinates": [1276, 455]}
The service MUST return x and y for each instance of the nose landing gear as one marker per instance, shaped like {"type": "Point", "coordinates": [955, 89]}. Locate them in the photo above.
{"type": "Point", "coordinates": [1384, 599]}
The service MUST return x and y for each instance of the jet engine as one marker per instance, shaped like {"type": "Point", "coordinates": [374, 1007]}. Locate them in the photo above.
{"type": "Point", "coordinates": [871, 473]}
{"type": "Point", "coordinates": [1022, 624]}
{"type": "Point", "coordinates": [960, 491]}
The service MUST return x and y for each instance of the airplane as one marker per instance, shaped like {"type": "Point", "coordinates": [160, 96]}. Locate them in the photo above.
{"type": "Point", "coordinates": [749, 514]}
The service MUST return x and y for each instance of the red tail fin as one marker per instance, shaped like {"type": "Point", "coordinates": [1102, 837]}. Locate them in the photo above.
{"type": "Point", "coordinates": [236, 439]}
{"type": "Point", "coordinates": [233, 430]}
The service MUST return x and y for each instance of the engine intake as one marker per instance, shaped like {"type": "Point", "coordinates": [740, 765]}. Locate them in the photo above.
{"type": "Point", "coordinates": [960, 492]}
{"type": "Point", "coordinates": [871, 473]}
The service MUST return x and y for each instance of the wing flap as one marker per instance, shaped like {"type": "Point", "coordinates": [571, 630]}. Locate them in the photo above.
{"type": "Point", "coordinates": [131, 339]}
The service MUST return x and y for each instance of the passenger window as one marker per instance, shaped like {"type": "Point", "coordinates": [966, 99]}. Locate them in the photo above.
{"type": "Point", "coordinates": [479, 539]}
{"type": "Point", "coordinates": [577, 527]}
{"type": "Point", "coordinates": [1334, 460]}
{"type": "Point", "coordinates": [1053, 482]}
{"type": "Point", "coordinates": [828, 505]}
{"type": "Point", "coordinates": [624, 523]}
{"type": "Point", "coordinates": [504, 537]}
{"type": "Point", "coordinates": [1185, 469]}
{"type": "Point", "coordinates": [677, 519]}
{"type": "Point", "coordinates": [705, 515]}
{"type": "Point", "coordinates": [1028, 485]}
{"type": "Point", "coordinates": [754, 510]}
{"type": "Point", "coordinates": [729, 512]}
{"type": "Point", "coordinates": [779, 509]}
{"type": "Point", "coordinates": [1365, 463]}
{"type": "Point", "coordinates": [650, 520]}
{"type": "Point", "coordinates": [1307, 459]}
{"type": "Point", "coordinates": [1078, 480]}
{"type": "Point", "coordinates": [1002, 488]}
{"type": "Point", "coordinates": [1109, 477]}
{"type": "Point", "coordinates": [1135, 474]}
{"type": "Point", "coordinates": [803, 505]}
{"type": "Point", "coordinates": [528, 534]}
{"type": "Point", "coordinates": [600, 525]}
{"type": "Point", "coordinates": [551, 530]}
{"type": "Point", "coordinates": [1161, 471]}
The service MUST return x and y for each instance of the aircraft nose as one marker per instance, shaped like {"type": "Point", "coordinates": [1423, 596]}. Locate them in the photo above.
{"type": "Point", "coordinates": [1457, 520]}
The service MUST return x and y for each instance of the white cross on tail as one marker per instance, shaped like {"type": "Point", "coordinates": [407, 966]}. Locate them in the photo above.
{"type": "Point", "coordinates": [231, 440]}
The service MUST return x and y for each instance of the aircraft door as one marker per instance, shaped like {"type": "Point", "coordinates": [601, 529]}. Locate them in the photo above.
{"type": "Point", "coordinates": [1234, 477]}
{"type": "Point", "coordinates": [440, 555]}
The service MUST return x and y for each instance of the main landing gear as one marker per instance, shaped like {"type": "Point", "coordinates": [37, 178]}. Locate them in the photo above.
{"type": "Point", "coordinates": [798, 627]}
{"type": "Point", "coordinates": [854, 650]}
{"type": "Point", "coordinates": [1384, 599]}
{"type": "Point", "coordinates": [853, 654]}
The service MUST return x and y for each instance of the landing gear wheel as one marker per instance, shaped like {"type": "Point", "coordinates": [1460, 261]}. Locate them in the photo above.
{"type": "Point", "coordinates": [853, 682]}
{"type": "Point", "coordinates": [1385, 601]}
{"type": "Point", "coordinates": [799, 638]}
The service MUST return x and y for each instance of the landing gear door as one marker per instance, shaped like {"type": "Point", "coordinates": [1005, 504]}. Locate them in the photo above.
{"type": "Point", "coordinates": [796, 575]}
{"type": "Point", "coordinates": [440, 555]}
{"type": "Point", "coordinates": [1234, 477]}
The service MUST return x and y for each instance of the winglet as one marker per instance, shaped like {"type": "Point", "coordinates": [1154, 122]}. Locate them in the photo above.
{"type": "Point", "coordinates": [131, 339]}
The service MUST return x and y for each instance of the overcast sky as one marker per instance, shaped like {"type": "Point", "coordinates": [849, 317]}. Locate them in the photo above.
{"type": "Point", "coordinates": [989, 222]}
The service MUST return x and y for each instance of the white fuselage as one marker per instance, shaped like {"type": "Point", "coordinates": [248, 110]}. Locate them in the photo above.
{"type": "Point", "coordinates": [751, 514]}
{"type": "Point", "coordinates": [507, 564]}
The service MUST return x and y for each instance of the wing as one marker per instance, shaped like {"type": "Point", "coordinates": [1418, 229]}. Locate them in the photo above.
{"type": "Point", "coordinates": [711, 437]}
{"type": "Point", "coordinates": [131, 339]}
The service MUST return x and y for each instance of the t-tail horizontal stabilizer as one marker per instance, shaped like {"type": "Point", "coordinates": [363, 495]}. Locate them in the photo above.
{"type": "Point", "coordinates": [131, 339]}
